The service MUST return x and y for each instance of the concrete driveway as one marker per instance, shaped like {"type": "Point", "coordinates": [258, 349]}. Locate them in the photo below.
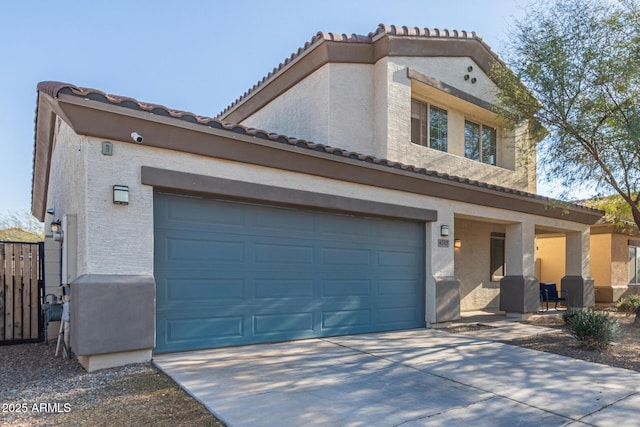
{"type": "Point", "coordinates": [409, 378]}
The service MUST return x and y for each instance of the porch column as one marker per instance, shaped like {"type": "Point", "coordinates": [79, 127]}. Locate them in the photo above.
{"type": "Point", "coordinates": [577, 282]}
{"type": "Point", "coordinates": [519, 288]}
{"type": "Point", "coordinates": [442, 287]}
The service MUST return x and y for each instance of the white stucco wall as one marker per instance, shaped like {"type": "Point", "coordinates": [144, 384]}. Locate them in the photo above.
{"type": "Point", "coordinates": [67, 191]}
{"type": "Point", "coordinates": [332, 106]}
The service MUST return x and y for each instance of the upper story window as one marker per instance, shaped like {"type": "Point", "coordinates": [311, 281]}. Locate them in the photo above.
{"type": "Point", "coordinates": [428, 125]}
{"type": "Point", "coordinates": [480, 142]}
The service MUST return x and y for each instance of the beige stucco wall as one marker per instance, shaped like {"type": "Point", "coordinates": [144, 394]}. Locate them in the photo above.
{"type": "Point", "coordinates": [608, 253]}
{"type": "Point", "coordinates": [601, 259]}
{"type": "Point", "coordinates": [472, 265]}
{"type": "Point", "coordinates": [551, 255]}
{"type": "Point", "coordinates": [619, 259]}
{"type": "Point", "coordinates": [513, 170]}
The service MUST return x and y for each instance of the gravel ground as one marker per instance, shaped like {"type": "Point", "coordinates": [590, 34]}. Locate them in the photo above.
{"type": "Point", "coordinates": [623, 353]}
{"type": "Point", "coordinates": [38, 389]}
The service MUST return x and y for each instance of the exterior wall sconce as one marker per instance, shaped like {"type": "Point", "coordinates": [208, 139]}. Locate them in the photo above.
{"type": "Point", "coordinates": [56, 230]}
{"type": "Point", "coordinates": [56, 226]}
{"type": "Point", "coordinates": [444, 230]}
{"type": "Point", "coordinates": [120, 195]}
{"type": "Point", "coordinates": [457, 243]}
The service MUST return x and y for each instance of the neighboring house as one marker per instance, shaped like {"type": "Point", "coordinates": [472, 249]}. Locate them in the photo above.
{"type": "Point", "coordinates": [410, 205]}
{"type": "Point", "coordinates": [615, 260]}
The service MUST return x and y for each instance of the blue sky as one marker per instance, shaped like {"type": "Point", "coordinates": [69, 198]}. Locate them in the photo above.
{"type": "Point", "coordinates": [197, 56]}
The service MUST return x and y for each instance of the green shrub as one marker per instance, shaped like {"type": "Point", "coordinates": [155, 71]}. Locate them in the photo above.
{"type": "Point", "coordinates": [594, 330]}
{"type": "Point", "coordinates": [629, 305]}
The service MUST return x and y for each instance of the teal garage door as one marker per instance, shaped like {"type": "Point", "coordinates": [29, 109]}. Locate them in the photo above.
{"type": "Point", "coordinates": [230, 273]}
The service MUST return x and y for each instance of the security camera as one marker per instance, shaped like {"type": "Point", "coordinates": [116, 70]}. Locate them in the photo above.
{"type": "Point", "coordinates": [51, 211]}
{"type": "Point", "coordinates": [137, 137]}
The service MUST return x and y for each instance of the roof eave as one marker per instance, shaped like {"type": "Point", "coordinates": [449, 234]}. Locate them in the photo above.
{"type": "Point", "coordinates": [180, 131]}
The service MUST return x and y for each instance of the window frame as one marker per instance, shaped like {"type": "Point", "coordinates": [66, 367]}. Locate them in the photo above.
{"type": "Point", "coordinates": [480, 149]}
{"type": "Point", "coordinates": [497, 259]}
{"type": "Point", "coordinates": [633, 264]}
{"type": "Point", "coordinates": [425, 124]}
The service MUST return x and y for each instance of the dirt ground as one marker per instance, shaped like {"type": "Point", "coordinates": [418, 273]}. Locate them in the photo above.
{"type": "Point", "coordinates": [624, 353]}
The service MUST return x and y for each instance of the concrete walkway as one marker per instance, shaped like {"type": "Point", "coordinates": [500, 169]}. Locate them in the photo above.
{"type": "Point", "coordinates": [419, 377]}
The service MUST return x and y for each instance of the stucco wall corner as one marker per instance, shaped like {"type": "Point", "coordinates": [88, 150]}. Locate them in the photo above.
{"type": "Point", "coordinates": [112, 313]}
{"type": "Point", "coordinates": [519, 294]}
{"type": "Point", "coordinates": [447, 298]}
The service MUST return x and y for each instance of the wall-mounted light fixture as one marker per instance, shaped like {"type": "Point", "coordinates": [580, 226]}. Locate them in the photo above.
{"type": "Point", "coordinates": [444, 230]}
{"type": "Point", "coordinates": [457, 243]}
{"type": "Point", "coordinates": [56, 226]}
{"type": "Point", "coordinates": [120, 195]}
{"type": "Point", "coordinates": [56, 230]}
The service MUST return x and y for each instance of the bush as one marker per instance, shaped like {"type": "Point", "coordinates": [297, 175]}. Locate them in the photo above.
{"type": "Point", "coordinates": [629, 305]}
{"type": "Point", "coordinates": [594, 330]}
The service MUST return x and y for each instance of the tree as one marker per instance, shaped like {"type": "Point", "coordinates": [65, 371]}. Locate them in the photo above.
{"type": "Point", "coordinates": [21, 226]}
{"type": "Point", "coordinates": [575, 69]}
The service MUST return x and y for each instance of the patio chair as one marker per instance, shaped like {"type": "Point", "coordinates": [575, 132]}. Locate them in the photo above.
{"type": "Point", "coordinates": [549, 292]}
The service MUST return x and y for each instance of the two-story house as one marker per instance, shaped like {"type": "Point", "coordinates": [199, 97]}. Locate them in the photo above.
{"type": "Point", "coordinates": [383, 195]}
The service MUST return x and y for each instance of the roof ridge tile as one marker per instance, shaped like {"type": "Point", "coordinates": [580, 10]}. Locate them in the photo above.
{"type": "Point", "coordinates": [382, 29]}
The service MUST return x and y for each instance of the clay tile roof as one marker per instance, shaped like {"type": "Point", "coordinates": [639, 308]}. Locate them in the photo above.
{"type": "Point", "coordinates": [383, 29]}
{"type": "Point", "coordinates": [54, 89]}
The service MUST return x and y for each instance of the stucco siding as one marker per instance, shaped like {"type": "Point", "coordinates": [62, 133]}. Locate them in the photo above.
{"type": "Point", "coordinates": [472, 265]}
{"type": "Point", "coordinates": [452, 71]}
{"type": "Point", "coordinates": [67, 191]}
{"type": "Point", "coordinates": [367, 109]}
{"type": "Point", "coordinates": [119, 239]}
{"type": "Point", "coordinates": [619, 259]}
{"type": "Point", "coordinates": [300, 112]}
{"type": "Point", "coordinates": [351, 107]}
{"type": "Point", "coordinates": [601, 259]}
{"type": "Point", "coordinates": [333, 106]}
{"type": "Point", "coordinates": [551, 253]}
{"type": "Point", "coordinates": [122, 236]}
{"type": "Point", "coordinates": [121, 251]}
{"type": "Point", "coordinates": [514, 169]}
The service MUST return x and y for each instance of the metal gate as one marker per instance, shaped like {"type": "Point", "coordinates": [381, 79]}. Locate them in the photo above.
{"type": "Point", "coordinates": [21, 291]}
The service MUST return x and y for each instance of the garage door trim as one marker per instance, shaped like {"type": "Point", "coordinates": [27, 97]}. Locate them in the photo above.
{"type": "Point", "coordinates": [164, 179]}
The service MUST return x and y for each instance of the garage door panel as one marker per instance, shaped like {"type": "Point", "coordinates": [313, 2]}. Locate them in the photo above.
{"type": "Point", "coordinates": [271, 274]}
{"type": "Point", "coordinates": [198, 250]}
{"type": "Point", "coordinates": [203, 290]}
{"type": "Point", "coordinates": [283, 288]}
{"type": "Point", "coordinates": [283, 254]}
{"type": "Point", "coordinates": [192, 213]}
{"type": "Point", "coordinates": [345, 288]}
{"type": "Point", "coordinates": [402, 258]}
{"type": "Point", "coordinates": [346, 319]}
{"type": "Point", "coordinates": [202, 328]}
{"type": "Point", "coordinates": [353, 256]}
{"type": "Point", "coordinates": [287, 323]}
{"type": "Point", "coordinates": [342, 228]}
